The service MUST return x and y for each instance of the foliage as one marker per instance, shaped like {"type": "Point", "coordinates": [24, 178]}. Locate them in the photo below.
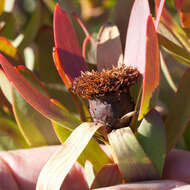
{"type": "Point", "coordinates": [38, 105]}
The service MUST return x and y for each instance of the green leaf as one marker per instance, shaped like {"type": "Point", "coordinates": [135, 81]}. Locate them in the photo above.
{"type": "Point", "coordinates": [9, 30]}
{"type": "Point", "coordinates": [179, 112]}
{"type": "Point", "coordinates": [92, 152]}
{"type": "Point", "coordinates": [167, 74]}
{"type": "Point", "coordinates": [151, 135]}
{"type": "Point", "coordinates": [10, 128]}
{"type": "Point", "coordinates": [32, 27]}
{"type": "Point", "coordinates": [36, 129]}
{"type": "Point", "coordinates": [133, 162]}
{"type": "Point", "coordinates": [50, 4]}
{"type": "Point", "coordinates": [176, 51]}
{"type": "Point", "coordinates": [57, 168]}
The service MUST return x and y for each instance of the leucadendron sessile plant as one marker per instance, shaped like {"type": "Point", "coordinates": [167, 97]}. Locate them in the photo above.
{"type": "Point", "coordinates": [122, 100]}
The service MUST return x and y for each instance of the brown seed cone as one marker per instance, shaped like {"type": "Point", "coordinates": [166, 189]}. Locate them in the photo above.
{"type": "Point", "coordinates": [108, 93]}
{"type": "Point", "coordinates": [92, 85]}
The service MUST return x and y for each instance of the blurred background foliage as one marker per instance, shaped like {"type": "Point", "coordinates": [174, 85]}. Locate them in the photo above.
{"type": "Point", "coordinates": [26, 38]}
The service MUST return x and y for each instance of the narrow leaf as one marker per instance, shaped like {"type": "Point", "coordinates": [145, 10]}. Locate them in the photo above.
{"type": "Point", "coordinates": [57, 168]}
{"type": "Point", "coordinates": [179, 112]}
{"type": "Point", "coordinates": [152, 68]}
{"type": "Point", "coordinates": [92, 152]}
{"type": "Point", "coordinates": [159, 13]}
{"type": "Point", "coordinates": [173, 27]}
{"type": "Point", "coordinates": [109, 49]}
{"type": "Point", "coordinates": [136, 36]}
{"type": "Point", "coordinates": [109, 175]}
{"type": "Point", "coordinates": [151, 135]}
{"type": "Point", "coordinates": [35, 98]}
{"type": "Point", "coordinates": [142, 51]}
{"type": "Point", "coordinates": [30, 121]}
{"type": "Point", "coordinates": [166, 73]}
{"type": "Point", "coordinates": [5, 86]}
{"type": "Point", "coordinates": [132, 161]}
{"type": "Point", "coordinates": [176, 51]}
{"type": "Point", "coordinates": [68, 50]}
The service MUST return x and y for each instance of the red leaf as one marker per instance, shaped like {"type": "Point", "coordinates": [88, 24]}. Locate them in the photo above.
{"type": "Point", "coordinates": [136, 36]}
{"type": "Point", "coordinates": [34, 97]}
{"type": "Point", "coordinates": [142, 51]}
{"type": "Point", "coordinates": [109, 175]}
{"type": "Point", "coordinates": [179, 4]}
{"type": "Point", "coordinates": [68, 49]}
{"type": "Point", "coordinates": [152, 67]}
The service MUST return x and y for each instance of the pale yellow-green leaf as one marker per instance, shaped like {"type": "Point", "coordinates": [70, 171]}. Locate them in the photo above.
{"type": "Point", "coordinates": [57, 168]}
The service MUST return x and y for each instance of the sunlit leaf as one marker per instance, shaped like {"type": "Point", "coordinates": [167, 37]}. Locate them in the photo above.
{"type": "Point", "coordinates": [5, 86]}
{"type": "Point", "coordinates": [159, 13]}
{"type": "Point", "coordinates": [7, 48]}
{"type": "Point", "coordinates": [68, 52]}
{"type": "Point", "coordinates": [152, 137]}
{"type": "Point", "coordinates": [109, 50]}
{"type": "Point", "coordinates": [142, 51]}
{"type": "Point", "coordinates": [109, 175]}
{"type": "Point", "coordinates": [136, 36]}
{"type": "Point", "coordinates": [36, 99]}
{"type": "Point", "coordinates": [179, 112]}
{"type": "Point", "coordinates": [2, 6]}
{"type": "Point", "coordinates": [92, 152]}
{"type": "Point", "coordinates": [133, 162]}
{"type": "Point", "coordinates": [10, 128]}
{"type": "Point", "coordinates": [9, 4]}
{"type": "Point", "coordinates": [57, 168]}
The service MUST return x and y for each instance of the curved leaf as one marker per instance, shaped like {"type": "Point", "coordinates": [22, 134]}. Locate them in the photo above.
{"type": "Point", "coordinates": [92, 152]}
{"type": "Point", "coordinates": [151, 135]}
{"type": "Point", "coordinates": [57, 168]}
{"type": "Point", "coordinates": [36, 99]}
{"type": "Point", "coordinates": [136, 36]}
{"type": "Point", "coordinates": [69, 54]}
{"type": "Point", "coordinates": [109, 50]}
{"type": "Point", "coordinates": [31, 122]}
{"type": "Point", "coordinates": [179, 112]}
{"type": "Point", "coordinates": [133, 162]}
{"type": "Point", "coordinates": [142, 51]}
{"type": "Point", "coordinates": [152, 69]}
